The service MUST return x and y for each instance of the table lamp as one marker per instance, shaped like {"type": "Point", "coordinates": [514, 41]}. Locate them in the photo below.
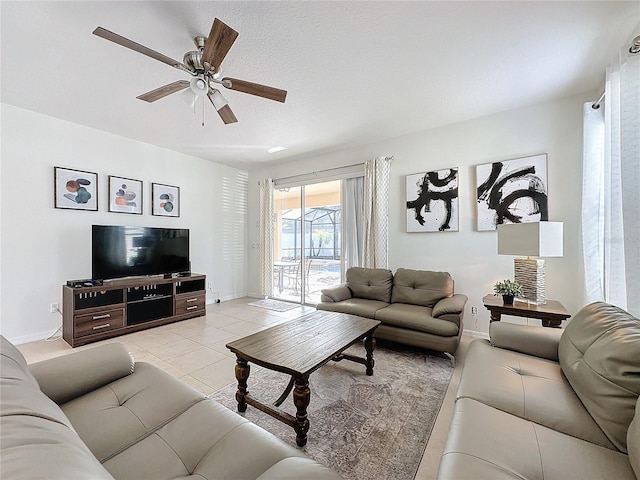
{"type": "Point", "coordinates": [536, 239]}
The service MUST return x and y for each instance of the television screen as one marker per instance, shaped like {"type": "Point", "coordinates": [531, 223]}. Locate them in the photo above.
{"type": "Point", "coordinates": [135, 251]}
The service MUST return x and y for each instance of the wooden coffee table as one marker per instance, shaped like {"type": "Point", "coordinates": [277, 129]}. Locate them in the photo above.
{"type": "Point", "coordinates": [298, 348]}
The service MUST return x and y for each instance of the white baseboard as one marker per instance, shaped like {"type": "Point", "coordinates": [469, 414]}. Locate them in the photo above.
{"type": "Point", "coordinates": [33, 337]}
{"type": "Point", "coordinates": [226, 298]}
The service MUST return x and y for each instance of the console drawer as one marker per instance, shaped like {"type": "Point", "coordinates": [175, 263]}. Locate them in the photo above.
{"type": "Point", "coordinates": [98, 322]}
{"type": "Point", "coordinates": [190, 303]}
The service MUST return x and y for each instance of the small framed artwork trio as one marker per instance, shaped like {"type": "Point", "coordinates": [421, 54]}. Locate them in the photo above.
{"type": "Point", "coordinates": [78, 190]}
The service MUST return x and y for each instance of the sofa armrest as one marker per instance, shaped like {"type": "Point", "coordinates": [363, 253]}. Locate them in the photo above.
{"type": "Point", "coordinates": [452, 305]}
{"type": "Point", "coordinates": [70, 376]}
{"type": "Point", "coordinates": [336, 294]}
{"type": "Point", "coordinates": [537, 341]}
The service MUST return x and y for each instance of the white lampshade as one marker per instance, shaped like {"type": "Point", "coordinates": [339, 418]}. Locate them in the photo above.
{"type": "Point", "coordinates": [188, 97]}
{"type": "Point", "coordinates": [536, 239]}
{"type": "Point", "coordinates": [198, 86]}
{"type": "Point", "coordinates": [217, 99]}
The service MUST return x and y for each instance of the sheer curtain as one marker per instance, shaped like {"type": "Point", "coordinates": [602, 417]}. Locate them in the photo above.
{"type": "Point", "coordinates": [376, 212]}
{"type": "Point", "coordinates": [611, 189]}
{"type": "Point", "coordinates": [266, 237]}
{"type": "Point", "coordinates": [352, 194]}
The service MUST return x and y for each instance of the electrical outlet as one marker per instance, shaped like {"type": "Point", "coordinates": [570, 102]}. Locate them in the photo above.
{"type": "Point", "coordinates": [54, 308]}
{"type": "Point", "coordinates": [474, 310]}
{"type": "Point", "coordinates": [210, 285]}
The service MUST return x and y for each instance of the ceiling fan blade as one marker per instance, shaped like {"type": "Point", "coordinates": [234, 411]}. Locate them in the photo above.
{"type": "Point", "coordinates": [125, 42]}
{"type": "Point", "coordinates": [225, 112]}
{"type": "Point", "coordinates": [227, 115]}
{"type": "Point", "coordinates": [218, 44]}
{"type": "Point", "coordinates": [255, 89]}
{"type": "Point", "coordinates": [162, 92]}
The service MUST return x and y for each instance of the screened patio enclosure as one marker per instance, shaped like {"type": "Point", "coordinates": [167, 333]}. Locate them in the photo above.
{"type": "Point", "coordinates": [321, 231]}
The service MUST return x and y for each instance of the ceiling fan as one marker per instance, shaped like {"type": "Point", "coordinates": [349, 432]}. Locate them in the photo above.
{"type": "Point", "coordinates": [203, 65]}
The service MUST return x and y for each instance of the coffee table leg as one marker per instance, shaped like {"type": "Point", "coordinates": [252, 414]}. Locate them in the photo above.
{"type": "Point", "coordinates": [242, 373]}
{"type": "Point", "coordinates": [369, 346]}
{"type": "Point", "coordinates": [301, 398]}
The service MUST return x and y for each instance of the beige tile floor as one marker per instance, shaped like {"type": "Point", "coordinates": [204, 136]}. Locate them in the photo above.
{"type": "Point", "coordinates": [194, 351]}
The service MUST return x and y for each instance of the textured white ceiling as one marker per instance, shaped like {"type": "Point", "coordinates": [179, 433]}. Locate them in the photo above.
{"type": "Point", "coordinates": [356, 72]}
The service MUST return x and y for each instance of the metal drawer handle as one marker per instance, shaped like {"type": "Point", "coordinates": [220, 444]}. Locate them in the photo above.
{"type": "Point", "coordinates": [192, 307]}
{"type": "Point", "coordinates": [98, 327]}
{"type": "Point", "coordinates": [192, 300]}
{"type": "Point", "coordinates": [100, 317]}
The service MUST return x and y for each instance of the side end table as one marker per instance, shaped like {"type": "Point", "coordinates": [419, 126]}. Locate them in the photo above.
{"type": "Point", "coordinates": [551, 313]}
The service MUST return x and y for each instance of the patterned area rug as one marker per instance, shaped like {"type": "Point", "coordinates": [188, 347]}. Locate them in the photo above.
{"type": "Point", "coordinates": [277, 305]}
{"type": "Point", "coordinates": [362, 427]}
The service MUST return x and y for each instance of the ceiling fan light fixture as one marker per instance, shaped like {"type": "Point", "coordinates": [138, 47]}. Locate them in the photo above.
{"type": "Point", "coordinates": [217, 99]}
{"type": "Point", "coordinates": [188, 97]}
{"type": "Point", "coordinates": [198, 86]}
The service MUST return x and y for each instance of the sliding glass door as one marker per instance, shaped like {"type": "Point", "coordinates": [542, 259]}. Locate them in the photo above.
{"type": "Point", "coordinates": [307, 241]}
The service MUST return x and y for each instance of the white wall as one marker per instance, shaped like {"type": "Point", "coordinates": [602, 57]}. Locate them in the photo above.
{"type": "Point", "coordinates": [470, 256]}
{"type": "Point", "coordinates": [43, 247]}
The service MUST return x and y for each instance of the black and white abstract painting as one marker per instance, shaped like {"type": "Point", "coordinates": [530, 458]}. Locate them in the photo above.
{"type": "Point", "coordinates": [513, 191]}
{"type": "Point", "coordinates": [432, 201]}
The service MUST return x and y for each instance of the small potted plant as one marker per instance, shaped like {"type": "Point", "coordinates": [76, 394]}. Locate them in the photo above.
{"type": "Point", "coordinates": [509, 290]}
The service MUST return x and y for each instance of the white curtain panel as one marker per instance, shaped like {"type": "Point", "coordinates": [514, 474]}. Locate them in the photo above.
{"type": "Point", "coordinates": [266, 237]}
{"type": "Point", "coordinates": [376, 212]}
{"type": "Point", "coordinates": [352, 194]}
{"type": "Point", "coordinates": [611, 189]}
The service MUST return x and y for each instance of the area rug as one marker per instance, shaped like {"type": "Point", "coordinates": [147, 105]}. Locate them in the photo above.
{"type": "Point", "coordinates": [362, 427]}
{"type": "Point", "coordinates": [271, 304]}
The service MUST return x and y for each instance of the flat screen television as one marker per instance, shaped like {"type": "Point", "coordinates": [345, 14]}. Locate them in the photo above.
{"type": "Point", "coordinates": [118, 251]}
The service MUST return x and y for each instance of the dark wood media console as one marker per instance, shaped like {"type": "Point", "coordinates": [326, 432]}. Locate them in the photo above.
{"type": "Point", "coordinates": [127, 305]}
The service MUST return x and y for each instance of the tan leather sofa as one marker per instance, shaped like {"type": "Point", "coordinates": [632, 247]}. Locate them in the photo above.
{"type": "Point", "coordinates": [415, 307]}
{"type": "Point", "coordinates": [94, 414]}
{"type": "Point", "coordinates": [540, 403]}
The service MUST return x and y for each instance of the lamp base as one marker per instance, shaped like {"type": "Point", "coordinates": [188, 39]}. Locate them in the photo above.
{"type": "Point", "coordinates": [529, 273]}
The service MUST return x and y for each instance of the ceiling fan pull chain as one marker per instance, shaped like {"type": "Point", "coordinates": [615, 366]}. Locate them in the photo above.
{"type": "Point", "coordinates": [203, 111]}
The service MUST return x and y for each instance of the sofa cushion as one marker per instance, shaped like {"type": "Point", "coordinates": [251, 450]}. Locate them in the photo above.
{"type": "Point", "coordinates": [414, 317]}
{"type": "Point", "coordinates": [527, 386]}
{"type": "Point", "coordinates": [209, 441]}
{"type": "Point", "coordinates": [421, 287]}
{"type": "Point", "coordinates": [36, 448]}
{"type": "Point", "coordinates": [355, 306]}
{"type": "Point", "coordinates": [113, 417]}
{"type": "Point", "coordinates": [486, 443]}
{"type": "Point", "coordinates": [600, 355]}
{"type": "Point", "coordinates": [370, 283]}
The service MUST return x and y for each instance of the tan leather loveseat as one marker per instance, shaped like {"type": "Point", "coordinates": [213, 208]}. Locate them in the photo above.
{"type": "Point", "coordinates": [540, 403]}
{"type": "Point", "coordinates": [94, 414]}
{"type": "Point", "coordinates": [416, 307]}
